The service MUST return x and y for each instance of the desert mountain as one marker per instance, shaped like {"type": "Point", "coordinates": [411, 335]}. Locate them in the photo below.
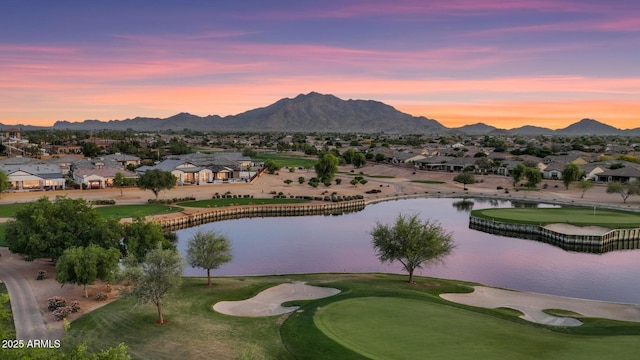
{"type": "Point", "coordinates": [316, 112]}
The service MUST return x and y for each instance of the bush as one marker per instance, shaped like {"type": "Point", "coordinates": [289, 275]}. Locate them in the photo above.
{"type": "Point", "coordinates": [499, 188]}
{"type": "Point", "coordinates": [41, 275]}
{"type": "Point", "coordinates": [56, 302]}
{"type": "Point", "coordinates": [101, 297]}
{"type": "Point", "coordinates": [62, 312]}
{"type": "Point", "coordinates": [103, 202]}
{"type": "Point", "coordinates": [75, 306]}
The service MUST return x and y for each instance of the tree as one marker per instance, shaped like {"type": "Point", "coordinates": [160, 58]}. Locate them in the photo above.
{"type": "Point", "coordinates": [379, 157]}
{"type": "Point", "coordinates": [5, 184]}
{"type": "Point", "coordinates": [326, 167]}
{"type": "Point", "coordinates": [411, 242]}
{"type": "Point", "coordinates": [624, 189]}
{"type": "Point", "coordinates": [156, 277]}
{"type": "Point", "coordinates": [571, 173]}
{"type": "Point", "coordinates": [359, 160]}
{"type": "Point", "coordinates": [533, 175]}
{"type": "Point", "coordinates": [119, 181]}
{"type": "Point", "coordinates": [584, 186]}
{"type": "Point", "coordinates": [84, 265]}
{"type": "Point", "coordinates": [271, 166]}
{"type": "Point", "coordinates": [90, 149]}
{"type": "Point", "coordinates": [465, 178]}
{"type": "Point", "coordinates": [139, 237]}
{"type": "Point", "coordinates": [301, 180]}
{"type": "Point", "coordinates": [348, 155]}
{"type": "Point", "coordinates": [157, 180]}
{"type": "Point", "coordinates": [45, 229]}
{"type": "Point", "coordinates": [287, 181]}
{"type": "Point", "coordinates": [518, 173]}
{"type": "Point", "coordinates": [354, 182]}
{"type": "Point", "coordinates": [208, 250]}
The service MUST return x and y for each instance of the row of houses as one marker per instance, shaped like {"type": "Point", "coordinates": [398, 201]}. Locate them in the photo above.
{"type": "Point", "coordinates": [551, 166]}
{"type": "Point", "coordinates": [27, 174]}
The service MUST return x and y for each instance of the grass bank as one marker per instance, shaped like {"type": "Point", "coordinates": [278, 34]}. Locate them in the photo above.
{"type": "Point", "coordinates": [136, 210]}
{"type": "Point", "coordinates": [374, 314]}
{"type": "Point", "coordinates": [614, 219]}
{"type": "Point", "coordinates": [286, 160]}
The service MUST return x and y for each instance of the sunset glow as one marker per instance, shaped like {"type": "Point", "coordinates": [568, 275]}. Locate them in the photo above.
{"type": "Point", "coordinates": [505, 63]}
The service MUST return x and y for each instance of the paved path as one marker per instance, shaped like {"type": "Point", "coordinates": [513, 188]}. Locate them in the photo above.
{"type": "Point", "coordinates": [26, 313]}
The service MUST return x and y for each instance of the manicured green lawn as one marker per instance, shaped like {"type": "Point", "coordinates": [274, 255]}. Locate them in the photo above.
{"type": "Point", "coordinates": [287, 160]}
{"type": "Point", "coordinates": [379, 315]}
{"type": "Point", "coordinates": [9, 210]}
{"type": "Point", "coordinates": [428, 181]}
{"type": "Point", "coordinates": [398, 328]}
{"type": "Point", "coordinates": [239, 201]}
{"type": "Point", "coordinates": [135, 210]}
{"type": "Point", "coordinates": [572, 215]}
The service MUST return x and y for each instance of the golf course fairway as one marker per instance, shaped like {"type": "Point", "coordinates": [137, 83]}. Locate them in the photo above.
{"type": "Point", "coordinates": [401, 328]}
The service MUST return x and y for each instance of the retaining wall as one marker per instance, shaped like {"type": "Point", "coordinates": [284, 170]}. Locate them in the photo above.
{"type": "Point", "coordinates": [616, 239]}
{"type": "Point", "coordinates": [236, 212]}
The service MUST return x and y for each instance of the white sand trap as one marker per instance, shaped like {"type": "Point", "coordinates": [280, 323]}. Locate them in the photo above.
{"type": "Point", "coordinates": [569, 229]}
{"type": "Point", "coordinates": [532, 304]}
{"type": "Point", "coordinates": [268, 302]}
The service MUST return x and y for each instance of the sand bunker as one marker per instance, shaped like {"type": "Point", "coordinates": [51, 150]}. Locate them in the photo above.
{"type": "Point", "coordinates": [569, 229]}
{"type": "Point", "coordinates": [532, 304]}
{"type": "Point", "coordinates": [268, 302]}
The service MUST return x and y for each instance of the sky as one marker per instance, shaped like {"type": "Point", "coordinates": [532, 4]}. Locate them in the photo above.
{"type": "Point", "coordinates": [504, 63]}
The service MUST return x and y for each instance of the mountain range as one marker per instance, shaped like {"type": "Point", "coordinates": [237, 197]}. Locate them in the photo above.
{"type": "Point", "coordinates": [316, 112]}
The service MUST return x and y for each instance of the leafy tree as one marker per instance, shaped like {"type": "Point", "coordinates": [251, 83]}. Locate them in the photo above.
{"type": "Point", "coordinates": [157, 180]}
{"type": "Point", "coordinates": [584, 186]}
{"type": "Point", "coordinates": [359, 160]}
{"type": "Point", "coordinates": [140, 236]}
{"type": "Point", "coordinates": [208, 250]}
{"type": "Point", "coordinates": [84, 265]}
{"type": "Point", "coordinates": [301, 180]}
{"type": "Point", "coordinates": [156, 277]}
{"type": "Point", "coordinates": [90, 149]}
{"type": "Point", "coordinates": [518, 173]}
{"type": "Point", "coordinates": [624, 189]}
{"type": "Point", "coordinates": [571, 173]}
{"type": "Point", "coordinates": [249, 152]}
{"type": "Point", "coordinates": [533, 175]}
{"type": "Point", "coordinates": [348, 155]}
{"type": "Point", "coordinates": [326, 167]}
{"type": "Point", "coordinates": [379, 157]}
{"type": "Point", "coordinates": [288, 181]}
{"type": "Point", "coordinates": [411, 242]}
{"type": "Point", "coordinates": [45, 229]}
{"type": "Point", "coordinates": [119, 181]}
{"type": "Point", "coordinates": [271, 166]}
{"type": "Point", "coordinates": [465, 178]}
{"type": "Point", "coordinates": [5, 184]}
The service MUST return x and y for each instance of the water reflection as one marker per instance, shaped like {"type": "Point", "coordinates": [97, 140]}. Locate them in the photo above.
{"type": "Point", "coordinates": [463, 205]}
{"type": "Point", "coordinates": [343, 244]}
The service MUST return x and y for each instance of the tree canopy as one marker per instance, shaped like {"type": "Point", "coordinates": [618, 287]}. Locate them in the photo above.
{"type": "Point", "coordinates": [624, 189]}
{"type": "Point", "coordinates": [84, 265]}
{"type": "Point", "coordinates": [326, 167]}
{"type": "Point", "coordinates": [5, 184]}
{"type": "Point", "coordinates": [208, 250]}
{"type": "Point", "coordinates": [45, 229]}
{"type": "Point", "coordinates": [465, 178]}
{"type": "Point", "coordinates": [157, 180]}
{"type": "Point", "coordinates": [411, 242]}
{"type": "Point", "coordinates": [571, 173]}
{"type": "Point", "coordinates": [157, 276]}
{"type": "Point", "coordinates": [140, 237]}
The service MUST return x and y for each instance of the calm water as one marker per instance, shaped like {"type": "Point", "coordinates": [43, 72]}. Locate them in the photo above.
{"type": "Point", "coordinates": [284, 245]}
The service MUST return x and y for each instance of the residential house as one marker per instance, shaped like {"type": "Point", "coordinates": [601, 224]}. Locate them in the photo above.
{"type": "Point", "coordinates": [34, 177]}
{"type": "Point", "coordinates": [99, 178]}
{"type": "Point", "coordinates": [186, 172]}
{"type": "Point", "coordinates": [623, 175]}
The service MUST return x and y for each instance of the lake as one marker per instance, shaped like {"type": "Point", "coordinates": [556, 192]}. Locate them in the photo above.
{"type": "Point", "coordinates": [342, 243]}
